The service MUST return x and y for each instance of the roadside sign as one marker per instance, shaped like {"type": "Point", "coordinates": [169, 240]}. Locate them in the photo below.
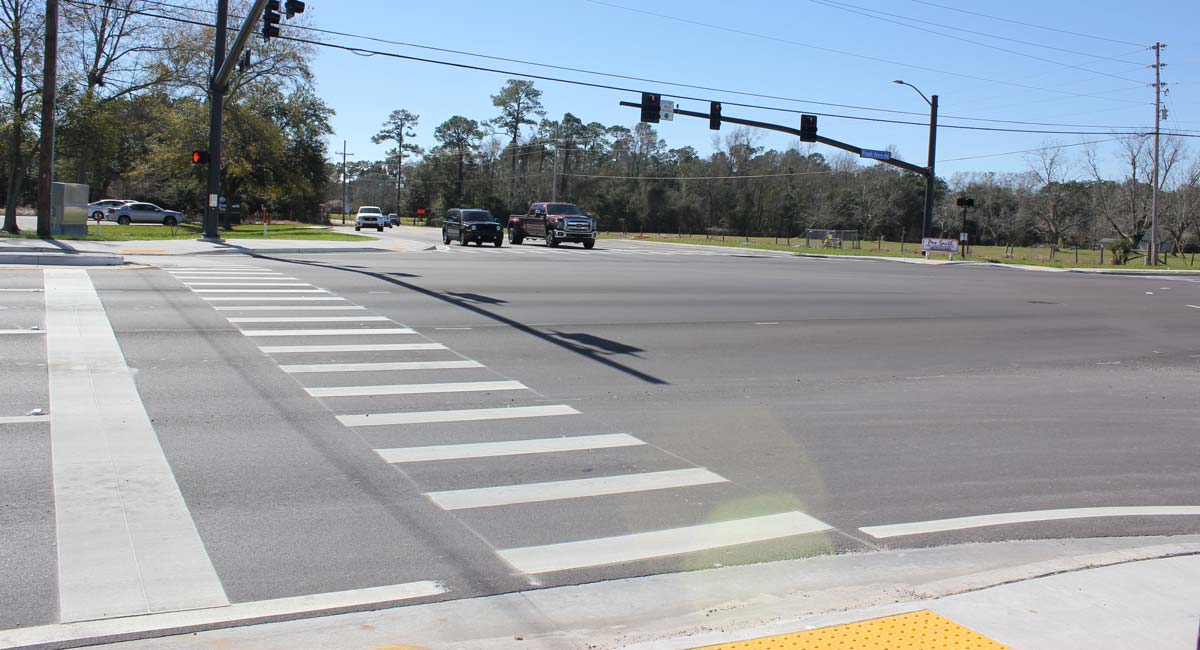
{"type": "Point", "coordinates": [666, 110]}
{"type": "Point", "coordinates": [934, 245]}
{"type": "Point", "coordinates": [876, 154]}
{"type": "Point", "coordinates": [962, 236]}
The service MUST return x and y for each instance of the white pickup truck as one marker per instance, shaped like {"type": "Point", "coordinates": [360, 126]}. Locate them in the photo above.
{"type": "Point", "coordinates": [370, 216]}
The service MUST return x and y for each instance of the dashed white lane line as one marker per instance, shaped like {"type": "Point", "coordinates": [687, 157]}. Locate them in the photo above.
{"type": "Point", "coordinates": [507, 448]}
{"type": "Point", "coordinates": [272, 298]}
{"type": "Point", "coordinates": [25, 419]}
{"type": "Point", "coordinates": [1194, 306]}
{"type": "Point", "coordinates": [660, 543]}
{"type": "Point", "coordinates": [76, 634]}
{"type": "Point", "coordinates": [126, 542]}
{"type": "Point", "coordinates": [348, 331]}
{"type": "Point", "coordinates": [467, 415]}
{"type": "Point", "coordinates": [260, 291]}
{"type": "Point", "coordinates": [504, 495]}
{"type": "Point", "coordinates": [416, 389]}
{"type": "Point", "coordinates": [369, 347]}
{"type": "Point", "coordinates": [979, 521]}
{"type": "Point", "coordinates": [308, 319]}
{"type": "Point", "coordinates": [380, 366]}
{"type": "Point", "coordinates": [290, 308]}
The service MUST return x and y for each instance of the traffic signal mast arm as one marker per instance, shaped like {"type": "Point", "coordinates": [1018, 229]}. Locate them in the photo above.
{"type": "Point", "coordinates": [796, 132]}
{"type": "Point", "coordinates": [239, 43]}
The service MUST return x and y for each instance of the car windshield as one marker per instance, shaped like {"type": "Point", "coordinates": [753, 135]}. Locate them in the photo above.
{"type": "Point", "coordinates": [562, 208]}
{"type": "Point", "coordinates": [370, 211]}
{"type": "Point", "coordinates": [477, 215]}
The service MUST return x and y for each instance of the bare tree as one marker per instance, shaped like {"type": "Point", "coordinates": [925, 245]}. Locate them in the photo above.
{"type": "Point", "coordinates": [1051, 206]}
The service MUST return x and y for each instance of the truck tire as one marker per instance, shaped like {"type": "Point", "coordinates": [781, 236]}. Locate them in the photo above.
{"type": "Point", "coordinates": [358, 227]}
{"type": "Point", "coordinates": [445, 237]}
{"type": "Point", "coordinates": [550, 240]}
{"type": "Point", "coordinates": [589, 244]}
{"type": "Point", "coordinates": [462, 239]}
{"type": "Point", "coordinates": [380, 228]}
{"type": "Point", "coordinates": [499, 241]}
{"type": "Point", "coordinates": [515, 238]}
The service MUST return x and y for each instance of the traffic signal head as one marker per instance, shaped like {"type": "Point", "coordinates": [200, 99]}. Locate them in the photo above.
{"type": "Point", "coordinates": [808, 128]}
{"type": "Point", "coordinates": [199, 157]}
{"type": "Point", "coordinates": [714, 116]}
{"type": "Point", "coordinates": [293, 7]}
{"type": "Point", "coordinates": [651, 107]}
{"type": "Point", "coordinates": [270, 27]}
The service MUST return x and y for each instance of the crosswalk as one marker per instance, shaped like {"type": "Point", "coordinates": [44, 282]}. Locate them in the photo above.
{"type": "Point", "coordinates": [478, 442]}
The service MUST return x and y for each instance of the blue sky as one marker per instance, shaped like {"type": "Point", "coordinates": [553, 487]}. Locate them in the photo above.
{"type": "Point", "coordinates": [783, 49]}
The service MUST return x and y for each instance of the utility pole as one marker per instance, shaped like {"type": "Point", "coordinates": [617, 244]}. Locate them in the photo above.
{"type": "Point", "coordinates": [49, 98]}
{"type": "Point", "coordinates": [1152, 249]}
{"type": "Point", "coordinates": [557, 153]}
{"type": "Point", "coordinates": [344, 175]}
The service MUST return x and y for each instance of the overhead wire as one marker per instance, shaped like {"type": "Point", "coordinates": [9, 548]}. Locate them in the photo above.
{"type": "Point", "coordinates": [362, 52]}
{"type": "Point", "coordinates": [576, 82]}
{"type": "Point", "coordinates": [1018, 22]}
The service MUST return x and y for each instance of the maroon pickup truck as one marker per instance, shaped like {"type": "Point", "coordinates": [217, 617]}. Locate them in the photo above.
{"type": "Point", "coordinates": [555, 223]}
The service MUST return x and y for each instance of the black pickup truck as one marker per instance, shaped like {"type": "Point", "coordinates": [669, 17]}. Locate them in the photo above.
{"type": "Point", "coordinates": [470, 225]}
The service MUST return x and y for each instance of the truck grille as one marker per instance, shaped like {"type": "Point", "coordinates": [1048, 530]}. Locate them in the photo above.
{"type": "Point", "coordinates": [578, 225]}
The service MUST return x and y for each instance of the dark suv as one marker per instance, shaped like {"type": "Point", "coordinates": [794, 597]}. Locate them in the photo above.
{"type": "Point", "coordinates": [471, 225]}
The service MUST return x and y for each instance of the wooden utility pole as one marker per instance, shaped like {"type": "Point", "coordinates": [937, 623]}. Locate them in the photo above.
{"type": "Point", "coordinates": [1152, 249]}
{"type": "Point", "coordinates": [49, 98]}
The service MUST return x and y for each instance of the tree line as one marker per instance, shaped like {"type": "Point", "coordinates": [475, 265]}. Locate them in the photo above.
{"type": "Point", "coordinates": [132, 106]}
{"type": "Point", "coordinates": [631, 180]}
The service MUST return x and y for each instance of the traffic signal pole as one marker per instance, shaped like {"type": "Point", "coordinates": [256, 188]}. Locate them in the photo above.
{"type": "Point", "coordinates": [223, 65]}
{"type": "Point", "coordinates": [895, 162]}
{"type": "Point", "coordinates": [930, 176]}
{"type": "Point", "coordinates": [216, 110]}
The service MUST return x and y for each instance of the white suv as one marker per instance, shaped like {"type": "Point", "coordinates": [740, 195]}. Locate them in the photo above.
{"type": "Point", "coordinates": [370, 216]}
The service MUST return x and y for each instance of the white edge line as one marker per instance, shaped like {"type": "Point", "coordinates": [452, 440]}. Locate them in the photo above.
{"type": "Point", "coordinates": [507, 448]}
{"type": "Point", "coordinates": [171, 623]}
{"type": "Point", "coordinates": [22, 331]}
{"type": "Point", "coordinates": [979, 521]}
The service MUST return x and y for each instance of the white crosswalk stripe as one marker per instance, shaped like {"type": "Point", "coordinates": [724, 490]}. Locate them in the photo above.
{"type": "Point", "coordinates": [335, 332]}
{"type": "Point", "coordinates": [464, 415]}
{"type": "Point", "coordinates": [507, 448]}
{"type": "Point", "coordinates": [416, 389]}
{"type": "Point", "coordinates": [308, 319]}
{"type": "Point", "coordinates": [504, 495]}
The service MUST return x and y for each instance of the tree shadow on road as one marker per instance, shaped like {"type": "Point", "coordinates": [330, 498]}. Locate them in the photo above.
{"type": "Point", "coordinates": [598, 351]}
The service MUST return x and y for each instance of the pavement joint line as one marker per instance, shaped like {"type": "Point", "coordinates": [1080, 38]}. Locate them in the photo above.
{"type": "Point", "coordinates": [979, 521]}
{"type": "Point", "coordinates": [502, 495]}
{"type": "Point", "coordinates": [380, 366]}
{"type": "Point", "coordinates": [660, 543]}
{"type": "Point", "coordinates": [416, 389]}
{"type": "Point", "coordinates": [96, 632]}
{"type": "Point", "coordinates": [307, 319]}
{"type": "Point", "coordinates": [507, 448]}
{"type": "Point", "coordinates": [124, 546]}
{"type": "Point", "coordinates": [348, 331]}
{"type": "Point", "coordinates": [24, 419]}
{"type": "Point", "coordinates": [463, 415]}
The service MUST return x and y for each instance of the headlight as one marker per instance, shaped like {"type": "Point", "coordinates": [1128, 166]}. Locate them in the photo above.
{"type": "Point", "coordinates": [472, 227]}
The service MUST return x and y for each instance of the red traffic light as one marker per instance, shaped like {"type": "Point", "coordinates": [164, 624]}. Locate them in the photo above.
{"type": "Point", "coordinates": [199, 157]}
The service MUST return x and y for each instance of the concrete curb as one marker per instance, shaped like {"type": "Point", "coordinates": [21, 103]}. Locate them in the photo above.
{"type": "Point", "coordinates": [62, 259]}
{"type": "Point", "coordinates": [660, 612]}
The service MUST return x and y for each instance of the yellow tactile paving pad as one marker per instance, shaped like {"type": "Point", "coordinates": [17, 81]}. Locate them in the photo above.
{"type": "Point", "coordinates": [921, 630]}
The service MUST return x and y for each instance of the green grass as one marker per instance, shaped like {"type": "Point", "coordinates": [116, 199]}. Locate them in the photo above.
{"type": "Point", "coordinates": [117, 232]}
{"type": "Point", "coordinates": [1065, 258]}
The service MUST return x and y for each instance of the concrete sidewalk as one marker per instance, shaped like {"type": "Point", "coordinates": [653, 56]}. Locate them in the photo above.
{"type": "Point", "coordinates": [1117, 593]}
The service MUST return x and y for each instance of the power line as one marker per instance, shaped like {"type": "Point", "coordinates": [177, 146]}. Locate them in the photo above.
{"type": "Point", "coordinates": [1017, 22]}
{"type": "Point", "coordinates": [996, 36]}
{"type": "Point", "coordinates": [864, 12]}
{"type": "Point", "coordinates": [465, 66]}
{"type": "Point", "coordinates": [653, 81]}
{"type": "Point", "coordinates": [1010, 153]}
{"type": "Point", "coordinates": [842, 52]}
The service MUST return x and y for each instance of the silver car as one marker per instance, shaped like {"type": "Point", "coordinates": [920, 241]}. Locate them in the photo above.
{"type": "Point", "coordinates": [143, 213]}
{"type": "Point", "coordinates": [98, 209]}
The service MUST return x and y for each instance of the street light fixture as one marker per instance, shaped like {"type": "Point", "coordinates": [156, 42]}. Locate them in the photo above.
{"type": "Point", "coordinates": [927, 221]}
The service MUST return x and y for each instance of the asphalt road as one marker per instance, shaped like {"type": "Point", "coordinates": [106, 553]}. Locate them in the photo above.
{"type": "Point", "coordinates": [763, 392]}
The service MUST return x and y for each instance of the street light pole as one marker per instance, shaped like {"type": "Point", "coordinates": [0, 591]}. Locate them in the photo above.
{"type": "Point", "coordinates": [930, 173]}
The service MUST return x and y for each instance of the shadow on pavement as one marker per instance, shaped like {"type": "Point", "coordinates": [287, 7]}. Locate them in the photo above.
{"type": "Point", "coordinates": [596, 353]}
